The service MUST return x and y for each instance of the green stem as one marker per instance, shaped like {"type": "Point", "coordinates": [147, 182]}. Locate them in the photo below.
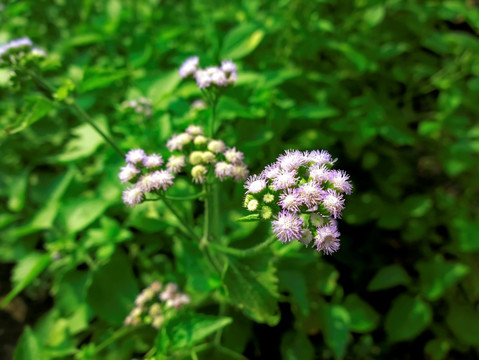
{"type": "Point", "coordinates": [82, 114]}
{"type": "Point", "coordinates": [185, 198]}
{"type": "Point", "coordinates": [232, 354]}
{"type": "Point", "coordinates": [244, 252]}
{"type": "Point", "coordinates": [187, 228]}
{"type": "Point", "coordinates": [219, 333]}
{"type": "Point", "coordinates": [116, 336]}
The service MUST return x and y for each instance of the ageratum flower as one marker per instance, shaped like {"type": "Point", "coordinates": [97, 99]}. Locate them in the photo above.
{"type": "Point", "coordinates": [135, 156]}
{"type": "Point", "coordinates": [133, 196]}
{"type": "Point", "coordinates": [303, 195]}
{"type": "Point", "coordinates": [128, 172]}
{"type": "Point", "coordinates": [189, 67]}
{"type": "Point", "coordinates": [153, 161]}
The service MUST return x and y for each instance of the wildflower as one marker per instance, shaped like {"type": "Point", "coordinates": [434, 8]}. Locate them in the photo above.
{"type": "Point", "coordinates": [146, 183]}
{"type": "Point", "coordinates": [284, 180]}
{"type": "Point", "coordinates": [135, 156]}
{"type": "Point", "coordinates": [310, 193]}
{"type": "Point", "coordinates": [223, 170]}
{"type": "Point", "coordinates": [198, 105]}
{"type": "Point", "coordinates": [290, 200]}
{"type": "Point", "coordinates": [255, 184]}
{"type": "Point", "coordinates": [306, 237]}
{"type": "Point", "coordinates": [228, 66]}
{"type": "Point", "coordinates": [339, 180]}
{"type": "Point", "coordinates": [132, 196]}
{"type": "Point", "coordinates": [128, 172]}
{"type": "Point", "coordinates": [234, 156]}
{"type": "Point", "coordinates": [327, 239]}
{"type": "Point", "coordinates": [38, 52]}
{"type": "Point", "coordinates": [291, 160]}
{"type": "Point", "coordinates": [199, 173]}
{"type": "Point", "coordinates": [217, 76]}
{"type": "Point", "coordinates": [152, 161]}
{"type": "Point", "coordinates": [189, 67]}
{"type": "Point", "coordinates": [271, 171]}
{"type": "Point", "coordinates": [194, 130]}
{"type": "Point", "coordinates": [216, 146]}
{"type": "Point", "coordinates": [267, 198]}
{"type": "Point", "coordinates": [203, 79]}
{"type": "Point", "coordinates": [252, 205]}
{"type": "Point", "coordinates": [176, 142]}
{"type": "Point", "coordinates": [319, 173]}
{"type": "Point", "coordinates": [175, 163]}
{"type": "Point", "coordinates": [169, 292]}
{"type": "Point", "coordinates": [16, 45]}
{"type": "Point", "coordinates": [195, 158]}
{"type": "Point", "coordinates": [320, 157]}
{"type": "Point", "coordinates": [162, 179]}
{"type": "Point", "coordinates": [240, 172]}
{"type": "Point", "coordinates": [158, 321]}
{"type": "Point", "coordinates": [208, 157]}
{"type": "Point", "coordinates": [200, 140]}
{"type": "Point", "coordinates": [266, 212]}
{"type": "Point", "coordinates": [333, 202]}
{"type": "Point", "coordinates": [287, 227]}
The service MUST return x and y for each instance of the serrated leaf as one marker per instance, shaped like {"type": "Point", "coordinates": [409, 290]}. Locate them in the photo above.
{"type": "Point", "coordinates": [187, 330]}
{"type": "Point", "coordinates": [438, 275]}
{"type": "Point", "coordinates": [388, 277]}
{"type": "Point", "coordinates": [25, 271]}
{"type": "Point", "coordinates": [253, 289]}
{"type": "Point", "coordinates": [241, 41]}
{"type": "Point", "coordinates": [363, 317]}
{"type": "Point", "coordinates": [407, 318]}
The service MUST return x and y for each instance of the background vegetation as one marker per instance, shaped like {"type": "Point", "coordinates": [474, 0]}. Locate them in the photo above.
{"type": "Point", "coordinates": [390, 88]}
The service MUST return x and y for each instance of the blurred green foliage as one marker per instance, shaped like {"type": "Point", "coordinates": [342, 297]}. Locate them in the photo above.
{"type": "Point", "coordinates": [388, 87]}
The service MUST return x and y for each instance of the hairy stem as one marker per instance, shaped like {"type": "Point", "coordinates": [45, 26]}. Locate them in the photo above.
{"type": "Point", "coordinates": [184, 224]}
{"type": "Point", "coordinates": [244, 252]}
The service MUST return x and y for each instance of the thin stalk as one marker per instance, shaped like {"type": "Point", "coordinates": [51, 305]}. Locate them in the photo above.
{"type": "Point", "coordinates": [88, 119]}
{"type": "Point", "coordinates": [185, 198]}
{"type": "Point", "coordinates": [219, 333]}
{"type": "Point", "coordinates": [117, 335]}
{"type": "Point", "coordinates": [187, 228]}
{"type": "Point", "coordinates": [244, 252]}
{"type": "Point", "coordinates": [232, 354]}
{"type": "Point", "coordinates": [82, 114]}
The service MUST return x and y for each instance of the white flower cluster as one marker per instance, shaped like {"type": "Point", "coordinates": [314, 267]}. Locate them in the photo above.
{"type": "Point", "coordinates": [141, 106]}
{"type": "Point", "coordinates": [204, 155]}
{"type": "Point", "coordinates": [153, 303]}
{"type": "Point", "coordinates": [219, 76]}
{"type": "Point", "coordinates": [17, 49]}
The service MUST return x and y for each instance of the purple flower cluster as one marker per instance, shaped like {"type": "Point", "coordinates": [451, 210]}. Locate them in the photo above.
{"type": "Point", "coordinates": [303, 195]}
{"type": "Point", "coordinates": [220, 76]}
{"type": "Point", "coordinates": [18, 48]}
{"type": "Point", "coordinates": [141, 106]}
{"type": "Point", "coordinates": [145, 171]}
{"type": "Point", "coordinates": [154, 302]}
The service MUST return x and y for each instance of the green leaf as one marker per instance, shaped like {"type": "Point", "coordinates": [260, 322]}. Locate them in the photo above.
{"type": "Point", "coordinates": [363, 317]}
{"type": "Point", "coordinates": [388, 277]}
{"type": "Point", "coordinates": [163, 86]}
{"type": "Point", "coordinates": [407, 318]}
{"type": "Point", "coordinates": [187, 330]}
{"type": "Point", "coordinates": [464, 323]}
{"type": "Point", "coordinates": [467, 234]}
{"type": "Point", "coordinates": [35, 108]}
{"type": "Point", "coordinates": [249, 218]}
{"type": "Point", "coordinates": [79, 213]}
{"type": "Point", "coordinates": [84, 143]}
{"type": "Point", "coordinates": [296, 346]}
{"type": "Point", "coordinates": [438, 275]}
{"type": "Point", "coordinates": [25, 271]}
{"type": "Point", "coordinates": [113, 290]}
{"type": "Point", "coordinates": [18, 191]}
{"type": "Point", "coordinates": [29, 347]}
{"type": "Point", "coordinates": [295, 283]}
{"type": "Point", "coordinates": [241, 41]}
{"type": "Point", "coordinates": [437, 349]}
{"type": "Point", "coordinates": [374, 15]}
{"type": "Point", "coordinates": [98, 78]}
{"type": "Point", "coordinates": [335, 322]}
{"type": "Point", "coordinates": [252, 287]}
